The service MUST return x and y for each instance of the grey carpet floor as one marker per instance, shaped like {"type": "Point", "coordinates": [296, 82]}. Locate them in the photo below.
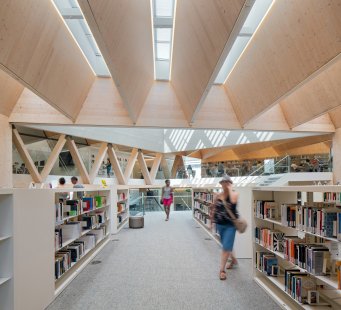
{"type": "Point", "coordinates": [166, 265]}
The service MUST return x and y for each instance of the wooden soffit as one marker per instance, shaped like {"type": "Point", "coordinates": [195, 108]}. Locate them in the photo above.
{"type": "Point", "coordinates": [318, 96]}
{"type": "Point", "coordinates": [38, 50]}
{"type": "Point", "coordinates": [10, 91]}
{"type": "Point", "coordinates": [201, 43]}
{"type": "Point", "coordinates": [123, 32]}
{"type": "Point", "coordinates": [296, 41]}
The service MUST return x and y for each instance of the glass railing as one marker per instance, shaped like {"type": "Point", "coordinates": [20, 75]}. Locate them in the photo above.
{"type": "Point", "coordinates": [151, 202]}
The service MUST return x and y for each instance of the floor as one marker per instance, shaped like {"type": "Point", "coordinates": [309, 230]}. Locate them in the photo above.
{"type": "Point", "coordinates": [166, 265]}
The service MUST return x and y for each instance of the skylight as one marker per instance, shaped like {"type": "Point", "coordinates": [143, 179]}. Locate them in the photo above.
{"type": "Point", "coordinates": [163, 16]}
{"type": "Point", "coordinates": [74, 19]}
{"type": "Point", "coordinates": [253, 20]}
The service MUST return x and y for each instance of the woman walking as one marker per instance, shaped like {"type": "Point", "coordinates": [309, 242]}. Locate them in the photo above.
{"type": "Point", "coordinates": [167, 198]}
{"type": "Point", "coordinates": [227, 231]}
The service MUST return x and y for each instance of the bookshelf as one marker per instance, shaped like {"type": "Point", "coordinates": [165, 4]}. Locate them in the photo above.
{"type": "Point", "coordinates": [6, 249]}
{"type": "Point", "coordinates": [295, 229]}
{"type": "Point", "coordinates": [202, 202]}
{"type": "Point", "coordinates": [121, 209]}
{"type": "Point", "coordinates": [203, 197]}
{"type": "Point", "coordinates": [82, 229]}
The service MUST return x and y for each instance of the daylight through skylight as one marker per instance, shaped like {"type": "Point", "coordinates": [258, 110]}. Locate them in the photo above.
{"type": "Point", "coordinates": [74, 19]}
{"type": "Point", "coordinates": [163, 17]}
{"type": "Point", "coordinates": [253, 20]}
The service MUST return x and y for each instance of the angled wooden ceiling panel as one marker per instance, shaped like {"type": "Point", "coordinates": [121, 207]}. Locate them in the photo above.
{"type": "Point", "coordinates": [296, 39]}
{"type": "Point", "coordinates": [162, 108]}
{"type": "Point", "coordinates": [38, 51]}
{"type": "Point", "coordinates": [202, 29]}
{"type": "Point", "coordinates": [104, 106]}
{"type": "Point", "coordinates": [318, 96]}
{"type": "Point", "coordinates": [322, 123]}
{"type": "Point", "coordinates": [272, 119]}
{"type": "Point", "coordinates": [10, 91]}
{"type": "Point", "coordinates": [217, 111]}
{"type": "Point", "coordinates": [32, 109]}
{"type": "Point", "coordinates": [123, 32]}
{"type": "Point", "coordinates": [335, 117]}
{"type": "Point", "coordinates": [300, 142]}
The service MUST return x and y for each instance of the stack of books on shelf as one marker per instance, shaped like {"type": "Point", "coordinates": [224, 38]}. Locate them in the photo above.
{"type": "Point", "coordinates": [204, 208]}
{"type": "Point", "coordinates": [299, 285]}
{"type": "Point", "coordinates": [272, 240]}
{"type": "Point", "coordinates": [322, 219]}
{"type": "Point", "coordinates": [267, 263]}
{"type": "Point", "coordinates": [202, 217]}
{"type": "Point", "coordinates": [208, 197]}
{"type": "Point", "coordinates": [332, 197]}
{"type": "Point", "coordinates": [266, 209]}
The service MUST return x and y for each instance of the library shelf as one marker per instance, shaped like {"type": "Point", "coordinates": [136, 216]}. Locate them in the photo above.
{"type": "Point", "coordinates": [4, 280]}
{"type": "Point", "coordinates": [63, 281]}
{"type": "Point", "coordinates": [123, 200]}
{"type": "Point", "coordinates": [61, 222]}
{"type": "Point", "coordinates": [296, 229]}
{"type": "Point", "coordinates": [328, 284]}
{"type": "Point", "coordinates": [122, 224]}
{"type": "Point", "coordinates": [215, 237]}
{"type": "Point", "coordinates": [279, 283]}
{"type": "Point", "coordinates": [331, 281]}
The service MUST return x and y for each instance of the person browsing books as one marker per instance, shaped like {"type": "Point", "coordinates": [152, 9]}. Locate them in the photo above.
{"type": "Point", "coordinates": [74, 181]}
{"type": "Point", "coordinates": [167, 198]}
{"type": "Point", "coordinates": [227, 231]}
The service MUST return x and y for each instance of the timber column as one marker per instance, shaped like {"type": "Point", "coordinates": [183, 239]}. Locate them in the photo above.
{"type": "Point", "coordinates": [6, 178]}
{"type": "Point", "coordinates": [336, 152]}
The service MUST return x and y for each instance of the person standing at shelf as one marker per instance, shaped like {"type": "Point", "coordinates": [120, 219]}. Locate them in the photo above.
{"type": "Point", "coordinates": [74, 181]}
{"type": "Point", "coordinates": [167, 198]}
{"type": "Point", "coordinates": [108, 167]}
{"type": "Point", "coordinates": [227, 231]}
{"type": "Point", "coordinates": [61, 182]}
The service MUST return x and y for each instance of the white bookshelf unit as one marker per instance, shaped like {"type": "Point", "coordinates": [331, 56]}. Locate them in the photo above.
{"type": "Point", "coordinates": [82, 229]}
{"type": "Point", "coordinates": [295, 230]}
{"type": "Point", "coordinates": [201, 206]}
{"type": "Point", "coordinates": [6, 249]}
{"type": "Point", "coordinates": [202, 201]}
{"type": "Point", "coordinates": [120, 208]}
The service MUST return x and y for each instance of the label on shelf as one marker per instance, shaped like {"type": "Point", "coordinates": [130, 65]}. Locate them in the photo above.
{"type": "Point", "coordinates": [301, 234]}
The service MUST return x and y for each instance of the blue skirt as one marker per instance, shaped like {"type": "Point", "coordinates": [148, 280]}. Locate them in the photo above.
{"type": "Point", "coordinates": [227, 234]}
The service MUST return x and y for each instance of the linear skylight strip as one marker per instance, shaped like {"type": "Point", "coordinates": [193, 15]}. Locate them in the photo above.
{"type": "Point", "coordinates": [163, 11]}
{"type": "Point", "coordinates": [172, 44]}
{"type": "Point", "coordinates": [74, 20]}
{"type": "Point", "coordinates": [254, 19]}
{"type": "Point", "coordinates": [153, 36]}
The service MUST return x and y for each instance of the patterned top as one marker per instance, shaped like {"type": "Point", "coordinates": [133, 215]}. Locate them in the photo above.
{"type": "Point", "coordinates": [220, 214]}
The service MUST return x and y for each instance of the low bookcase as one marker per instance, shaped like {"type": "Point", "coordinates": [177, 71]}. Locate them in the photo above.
{"type": "Point", "coordinates": [296, 245]}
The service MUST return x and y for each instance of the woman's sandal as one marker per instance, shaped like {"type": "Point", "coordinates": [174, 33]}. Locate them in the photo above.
{"type": "Point", "coordinates": [222, 275]}
{"type": "Point", "coordinates": [233, 262]}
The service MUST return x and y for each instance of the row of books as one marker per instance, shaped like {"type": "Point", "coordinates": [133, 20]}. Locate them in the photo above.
{"type": "Point", "coordinates": [73, 230]}
{"type": "Point", "coordinates": [299, 286]}
{"type": "Point", "coordinates": [315, 258]}
{"type": "Point", "coordinates": [67, 208]}
{"type": "Point", "coordinates": [71, 254]}
{"type": "Point", "coordinates": [332, 196]}
{"type": "Point", "coordinates": [267, 263]}
{"type": "Point", "coordinates": [204, 218]}
{"type": "Point", "coordinates": [203, 207]}
{"type": "Point", "coordinates": [266, 209]}
{"type": "Point", "coordinates": [272, 240]}
{"type": "Point", "coordinates": [204, 196]}
{"type": "Point", "coordinates": [120, 207]}
{"type": "Point", "coordinates": [322, 219]}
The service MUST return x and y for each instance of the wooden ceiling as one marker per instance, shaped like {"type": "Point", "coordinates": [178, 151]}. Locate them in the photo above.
{"type": "Point", "coordinates": [287, 78]}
